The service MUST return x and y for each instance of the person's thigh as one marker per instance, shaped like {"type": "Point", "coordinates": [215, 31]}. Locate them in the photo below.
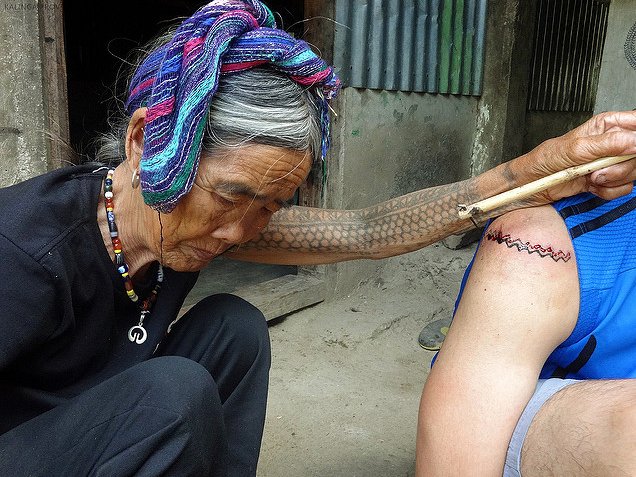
{"type": "Point", "coordinates": [160, 417]}
{"type": "Point", "coordinates": [586, 429]}
{"type": "Point", "coordinates": [545, 389]}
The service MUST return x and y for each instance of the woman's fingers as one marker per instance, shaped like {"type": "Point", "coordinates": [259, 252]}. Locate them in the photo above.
{"type": "Point", "coordinates": [605, 122]}
{"type": "Point", "coordinates": [616, 143]}
{"type": "Point", "coordinates": [610, 193]}
{"type": "Point", "coordinates": [573, 150]}
{"type": "Point", "coordinates": [604, 135]}
{"type": "Point", "coordinates": [616, 175]}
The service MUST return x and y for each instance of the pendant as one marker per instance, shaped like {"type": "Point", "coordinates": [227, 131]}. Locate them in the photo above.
{"type": "Point", "coordinates": [138, 334]}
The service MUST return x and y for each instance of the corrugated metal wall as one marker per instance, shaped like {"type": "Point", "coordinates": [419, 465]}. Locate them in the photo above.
{"type": "Point", "coordinates": [568, 48]}
{"type": "Point", "coordinates": [433, 46]}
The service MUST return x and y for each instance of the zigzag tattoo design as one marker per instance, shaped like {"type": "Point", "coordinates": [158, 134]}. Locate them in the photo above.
{"type": "Point", "coordinates": [506, 239]}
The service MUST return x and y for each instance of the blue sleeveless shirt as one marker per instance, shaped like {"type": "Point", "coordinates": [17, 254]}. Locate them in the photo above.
{"type": "Point", "coordinates": [603, 342]}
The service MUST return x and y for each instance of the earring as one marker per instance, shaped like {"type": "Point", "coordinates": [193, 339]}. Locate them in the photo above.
{"type": "Point", "coordinates": [135, 179]}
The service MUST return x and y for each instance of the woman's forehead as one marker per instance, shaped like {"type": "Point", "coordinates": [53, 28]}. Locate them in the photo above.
{"type": "Point", "coordinates": [255, 166]}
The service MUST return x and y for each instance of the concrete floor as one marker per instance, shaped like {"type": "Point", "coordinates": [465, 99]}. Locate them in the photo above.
{"type": "Point", "coordinates": [347, 375]}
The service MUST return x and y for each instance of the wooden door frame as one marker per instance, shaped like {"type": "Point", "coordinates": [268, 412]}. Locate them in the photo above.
{"type": "Point", "coordinates": [54, 88]}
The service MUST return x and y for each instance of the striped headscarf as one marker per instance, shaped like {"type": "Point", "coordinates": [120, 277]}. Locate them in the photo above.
{"type": "Point", "coordinates": [178, 80]}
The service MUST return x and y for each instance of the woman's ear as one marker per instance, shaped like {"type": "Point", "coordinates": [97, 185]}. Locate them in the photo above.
{"type": "Point", "coordinates": [135, 137]}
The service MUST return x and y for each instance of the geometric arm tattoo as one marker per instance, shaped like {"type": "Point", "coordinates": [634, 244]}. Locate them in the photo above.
{"type": "Point", "coordinates": [312, 236]}
{"type": "Point", "coordinates": [556, 255]}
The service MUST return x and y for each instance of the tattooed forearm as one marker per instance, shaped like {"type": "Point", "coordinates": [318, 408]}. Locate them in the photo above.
{"type": "Point", "coordinates": [499, 237]}
{"type": "Point", "coordinates": [304, 235]}
{"type": "Point", "coordinates": [309, 236]}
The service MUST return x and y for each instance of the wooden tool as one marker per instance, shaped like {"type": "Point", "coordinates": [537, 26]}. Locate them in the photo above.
{"type": "Point", "coordinates": [527, 190]}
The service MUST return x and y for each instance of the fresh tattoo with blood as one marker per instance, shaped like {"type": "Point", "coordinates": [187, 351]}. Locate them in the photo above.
{"type": "Point", "coordinates": [506, 239]}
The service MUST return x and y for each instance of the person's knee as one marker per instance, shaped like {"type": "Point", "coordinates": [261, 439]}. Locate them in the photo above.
{"type": "Point", "coordinates": [250, 326]}
{"type": "Point", "coordinates": [244, 325]}
{"type": "Point", "coordinates": [181, 385]}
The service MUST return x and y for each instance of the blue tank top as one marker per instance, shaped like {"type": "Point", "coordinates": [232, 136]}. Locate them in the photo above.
{"type": "Point", "coordinates": [603, 342]}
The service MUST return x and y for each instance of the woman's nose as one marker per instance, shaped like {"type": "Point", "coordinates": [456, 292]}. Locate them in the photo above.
{"type": "Point", "coordinates": [233, 232]}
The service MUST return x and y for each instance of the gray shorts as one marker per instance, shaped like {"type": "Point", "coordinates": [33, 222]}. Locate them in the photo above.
{"type": "Point", "coordinates": [546, 388]}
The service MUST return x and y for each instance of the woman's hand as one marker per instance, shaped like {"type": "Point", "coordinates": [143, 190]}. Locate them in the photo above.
{"type": "Point", "coordinates": [604, 135]}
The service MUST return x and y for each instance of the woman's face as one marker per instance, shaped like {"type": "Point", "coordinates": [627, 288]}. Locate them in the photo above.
{"type": "Point", "coordinates": [231, 201]}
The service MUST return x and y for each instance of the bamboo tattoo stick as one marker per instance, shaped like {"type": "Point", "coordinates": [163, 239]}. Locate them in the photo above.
{"type": "Point", "coordinates": [528, 190]}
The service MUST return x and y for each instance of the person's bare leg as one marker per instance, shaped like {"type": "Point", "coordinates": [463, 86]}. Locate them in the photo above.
{"type": "Point", "coordinates": [586, 429]}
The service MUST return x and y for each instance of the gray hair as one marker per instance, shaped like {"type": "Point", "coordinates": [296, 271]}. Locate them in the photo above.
{"type": "Point", "coordinates": [257, 106]}
{"type": "Point", "coordinates": [263, 106]}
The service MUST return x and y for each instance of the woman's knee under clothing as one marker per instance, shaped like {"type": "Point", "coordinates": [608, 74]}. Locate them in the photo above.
{"type": "Point", "coordinates": [219, 323]}
{"type": "Point", "coordinates": [229, 337]}
{"type": "Point", "coordinates": [174, 383]}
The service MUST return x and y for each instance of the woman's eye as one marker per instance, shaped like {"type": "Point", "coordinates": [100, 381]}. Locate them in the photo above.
{"type": "Point", "coordinates": [225, 201]}
{"type": "Point", "coordinates": [276, 206]}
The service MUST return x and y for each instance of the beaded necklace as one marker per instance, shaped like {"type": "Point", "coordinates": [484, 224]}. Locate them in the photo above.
{"type": "Point", "coordinates": [136, 334]}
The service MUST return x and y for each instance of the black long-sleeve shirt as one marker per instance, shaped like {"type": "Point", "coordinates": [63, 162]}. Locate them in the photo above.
{"type": "Point", "coordinates": [64, 313]}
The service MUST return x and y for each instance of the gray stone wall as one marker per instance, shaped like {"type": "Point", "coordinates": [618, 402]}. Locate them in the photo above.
{"type": "Point", "coordinates": [22, 143]}
{"type": "Point", "coordinates": [390, 143]}
{"type": "Point", "coordinates": [502, 107]}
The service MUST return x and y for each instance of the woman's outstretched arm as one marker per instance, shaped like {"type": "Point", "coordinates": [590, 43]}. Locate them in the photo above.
{"type": "Point", "coordinates": [311, 236]}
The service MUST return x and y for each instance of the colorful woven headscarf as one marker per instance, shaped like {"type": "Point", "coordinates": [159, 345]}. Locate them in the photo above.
{"type": "Point", "coordinates": [178, 80]}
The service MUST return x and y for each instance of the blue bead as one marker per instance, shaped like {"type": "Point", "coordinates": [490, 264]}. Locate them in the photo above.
{"type": "Point", "coordinates": [108, 182]}
{"type": "Point", "coordinates": [123, 269]}
{"type": "Point", "coordinates": [114, 233]}
{"type": "Point", "coordinates": [110, 216]}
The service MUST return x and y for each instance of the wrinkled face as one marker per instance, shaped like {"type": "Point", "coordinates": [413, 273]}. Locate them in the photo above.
{"type": "Point", "coordinates": [231, 201]}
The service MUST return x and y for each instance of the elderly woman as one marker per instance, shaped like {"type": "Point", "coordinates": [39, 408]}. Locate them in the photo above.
{"type": "Point", "coordinates": [226, 116]}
